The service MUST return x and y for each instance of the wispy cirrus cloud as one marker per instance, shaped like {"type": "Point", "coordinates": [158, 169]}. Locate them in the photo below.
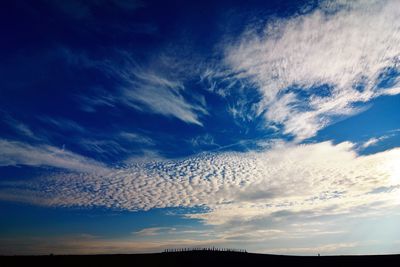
{"type": "Point", "coordinates": [103, 147]}
{"type": "Point", "coordinates": [153, 231]}
{"type": "Point", "coordinates": [19, 127]}
{"type": "Point", "coordinates": [136, 138]}
{"type": "Point", "coordinates": [316, 67]}
{"type": "Point", "coordinates": [98, 98]}
{"type": "Point", "coordinates": [178, 238]}
{"type": "Point", "coordinates": [141, 89]}
{"type": "Point", "coordinates": [15, 153]}
{"type": "Point", "coordinates": [205, 140]}
{"type": "Point", "coordinates": [373, 141]}
{"type": "Point", "coordinates": [63, 124]}
{"type": "Point", "coordinates": [325, 249]}
{"type": "Point", "coordinates": [87, 244]}
{"type": "Point", "coordinates": [153, 93]}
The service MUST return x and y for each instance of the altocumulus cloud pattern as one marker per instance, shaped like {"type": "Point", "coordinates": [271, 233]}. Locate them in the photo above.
{"type": "Point", "coordinates": [317, 178]}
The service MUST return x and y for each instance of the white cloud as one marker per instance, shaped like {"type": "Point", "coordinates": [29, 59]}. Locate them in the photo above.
{"type": "Point", "coordinates": [325, 249]}
{"type": "Point", "coordinates": [19, 127]}
{"type": "Point", "coordinates": [86, 244]}
{"type": "Point", "coordinates": [392, 91]}
{"type": "Point", "coordinates": [315, 67]}
{"type": "Point", "coordinates": [136, 138]}
{"type": "Point", "coordinates": [14, 153]}
{"type": "Point", "coordinates": [315, 180]}
{"type": "Point", "coordinates": [103, 147]}
{"type": "Point", "coordinates": [63, 124]}
{"type": "Point", "coordinates": [156, 94]}
{"type": "Point", "coordinates": [98, 98]}
{"type": "Point", "coordinates": [203, 140]}
{"type": "Point", "coordinates": [154, 231]}
{"type": "Point", "coordinates": [144, 156]}
{"type": "Point", "coordinates": [144, 90]}
{"type": "Point", "coordinates": [370, 142]}
{"type": "Point", "coordinates": [375, 140]}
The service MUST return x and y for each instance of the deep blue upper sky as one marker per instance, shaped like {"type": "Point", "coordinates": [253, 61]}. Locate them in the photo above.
{"type": "Point", "coordinates": [132, 122]}
{"type": "Point", "coordinates": [50, 57]}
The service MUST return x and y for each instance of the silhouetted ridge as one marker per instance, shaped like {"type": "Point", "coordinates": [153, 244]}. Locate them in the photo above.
{"type": "Point", "coordinates": [172, 250]}
{"type": "Point", "coordinates": [198, 258]}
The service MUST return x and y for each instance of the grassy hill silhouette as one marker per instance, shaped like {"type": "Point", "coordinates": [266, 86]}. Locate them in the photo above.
{"type": "Point", "coordinates": [204, 258]}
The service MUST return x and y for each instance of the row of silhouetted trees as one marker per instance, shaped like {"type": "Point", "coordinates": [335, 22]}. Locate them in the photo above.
{"type": "Point", "coordinates": [204, 249]}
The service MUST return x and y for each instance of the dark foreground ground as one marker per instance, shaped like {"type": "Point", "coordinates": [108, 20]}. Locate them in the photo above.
{"type": "Point", "coordinates": [199, 258]}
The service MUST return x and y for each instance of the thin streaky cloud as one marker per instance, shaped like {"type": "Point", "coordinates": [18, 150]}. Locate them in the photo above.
{"type": "Point", "coordinates": [142, 90]}
{"type": "Point", "coordinates": [15, 153]}
{"type": "Point", "coordinates": [137, 138]}
{"type": "Point", "coordinates": [20, 127]}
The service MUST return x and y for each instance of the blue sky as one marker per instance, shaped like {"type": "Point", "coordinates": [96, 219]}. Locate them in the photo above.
{"type": "Point", "coordinates": [135, 126]}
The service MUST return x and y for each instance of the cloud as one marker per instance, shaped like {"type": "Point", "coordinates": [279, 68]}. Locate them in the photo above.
{"type": "Point", "coordinates": [327, 248]}
{"type": "Point", "coordinates": [103, 148]}
{"type": "Point", "coordinates": [144, 156]}
{"type": "Point", "coordinates": [63, 124]}
{"type": "Point", "coordinates": [153, 231]}
{"type": "Point", "coordinates": [99, 98]}
{"type": "Point", "coordinates": [19, 127]}
{"type": "Point", "coordinates": [287, 181]}
{"type": "Point", "coordinates": [156, 94]}
{"type": "Point", "coordinates": [205, 140]}
{"type": "Point", "coordinates": [157, 239]}
{"type": "Point", "coordinates": [370, 142]}
{"type": "Point", "coordinates": [86, 244]}
{"type": "Point", "coordinates": [14, 153]}
{"type": "Point", "coordinates": [141, 89]}
{"type": "Point", "coordinates": [375, 140]}
{"type": "Point", "coordinates": [314, 68]}
{"type": "Point", "coordinates": [136, 138]}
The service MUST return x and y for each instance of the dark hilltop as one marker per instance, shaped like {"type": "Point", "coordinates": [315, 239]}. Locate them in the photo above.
{"type": "Point", "coordinates": [204, 258]}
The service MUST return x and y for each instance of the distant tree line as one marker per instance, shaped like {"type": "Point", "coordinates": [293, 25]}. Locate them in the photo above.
{"type": "Point", "coordinates": [168, 250]}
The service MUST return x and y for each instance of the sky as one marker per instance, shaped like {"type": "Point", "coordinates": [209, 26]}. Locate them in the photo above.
{"type": "Point", "coordinates": [136, 126]}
